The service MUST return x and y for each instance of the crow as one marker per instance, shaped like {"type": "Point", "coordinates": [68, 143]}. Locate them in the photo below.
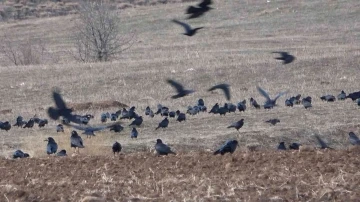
{"type": "Point", "coordinates": [5, 126]}
{"type": "Point", "coordinates": [341, 96]}
{"type": "Point", "coordinates": [224, 87]}
{"type": "Point", "coordinates": [295, 146]}
{"type": "Point", "coordinates": [269, 103]}
{"type": "Point", "coordinates": [307, 102]}
{"type": "Point", "coordinates": [200, 102]}
{"type": "Point", "coordinates": [30, 123]}
{"type": "Point", "coordinates": [242, 106]}
{"type": "Point", "coordinates": [117, 128]}
{"type": "Point", "coordinates": [116, 148]}
{"type": "Point", "coordinates": [214, 109]}
{"type": "Point", "coordinates": [137, 122]}
{"type": "Point", "coordinates": [254, 103]}
{"type": "Point", "coordinates": [172, 114]}
{"type": "Point", "coordinates": [52, 146]}
{"type": "Point", "coordinates": [104, 117]}
{"type": "Point", "coordinates": [328, 98]}
{"type": "Point", "coordinates": [19, 121]}
{"type": "Point", "coordinates": [89, 130]}
{"type": "Point", "coordinates": [20, 154]}
{"type": "Point", "coordinates": [42, 122]}
{"type": "Point", "coordinates": [285, 57]}
{"type": "Point", "coordinates": [163, 124]}
{"type": "Point", "coordinates": [60, 128]}
{"type": "Point", "coordinates": [180, 116]}
{"type": "Point", "coordinates": [228, 147]}
{"type": "Point", "coordinates": [223, 110]}
{"type": "Point", "coordinates": [273, 121]}
{"type": "Point", "coordinates": [134, 133]}
{"type": "Point", "coordinates": [188, 30]}
{"type": "Point", "coordinates": [202, 8]}
{"type": "Point", "coordinates": [282, 146]}
{"type": "Point", "coordinates": [323, 144]}
{"type": "Point", "coordinates": [237, 125]}
{"type": "Point", "coordinates": [76, 141]}
{"type": "Point", "coordinates": [354, 139]}
{"type": "Point", "coordinates": [61, 153]}
{"type": "Point", "coordinates": [354, 96]}
{"type": "Point", "coordinates": [181, 92]}
{"type": "Point", "coordinates": [162, 149]}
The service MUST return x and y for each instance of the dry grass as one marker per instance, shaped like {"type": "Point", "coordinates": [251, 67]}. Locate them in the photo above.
{"type": "Point", "coordinates": [234, 47]}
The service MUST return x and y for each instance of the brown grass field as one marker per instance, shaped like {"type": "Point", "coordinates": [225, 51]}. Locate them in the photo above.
{"type": "Point", "coordinates": [234, 47]}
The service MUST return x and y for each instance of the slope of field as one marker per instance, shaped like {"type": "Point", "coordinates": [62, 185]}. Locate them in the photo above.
{"type": "Point", "coordinates": [236, 47]}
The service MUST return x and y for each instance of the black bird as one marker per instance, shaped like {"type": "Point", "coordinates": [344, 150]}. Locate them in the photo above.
{"type": "Point", "coordinates": [341, 96]}
{"type": "Point", "coordinates": [61, 153]}
{"type": "Point", "coordinates": [89, 130]}
{"type": "Point", "coordinates": [188, 30]}
{"type": "Point", "coordinates": [172, 114]}
{"type": "Point", "coordinates": [134, 133]}
{"type": "Point", "coordinates": [164, 111]}
{"type": "Point", "coordinates": [307, 102]}
{"type": "Point", "coordinates": [354, 139]}
{"type": "Point", "coordinates": [147, 111]}
{"type": "Point", "coordinates": [254, 103]}
{"type": "Point", "coordinates": [30, 123]}
{"type": "Point", "coordinates": [129, 114]}
{"type": "Point", "coordinates": [241, 106]}
{"type": "Point", "coordinates": [52, 146]}
{"type": "Point", "coordinates": [60, 128]}
{"type": "Point", "coordinates": [289, 102]}
{"type": "Point", "coordinates": [228, 147]}
{"type": "Point", "coordinates": [20, 154]}
{"type": "Point", "coordinates": [237, 125]}
{"type": "Point", "coordinates": [214, 109]}
{"type": "Point", "coordinates": [231, 107]}
{"type": "Point", "coordinates": [328, 98]}
{"type": "Point", "coordinates": [224, 87]}
{"type": "Point", "coordinates": [202, 8]}
{"type": "Point", "coordinates": [358, 102]}
{"type": "Point", "coordinates": [19, 121]}
{"type": "Point", "coordinates": [281, 146]}
{"type": "Point", "coordinates": [285, 57]}
{"type": "Point", "coordinates": [116, 148]}
{"type": "Point", "coordinates": [137, 122]}
{"type": "Point", "coordinates": [323, 144]}
{"type": "Point", "coordinates": [117, 128]}
{"type": "Point", "coordinates": [223, 110]}
{"type": "Point", "coordinates": [42, 123]}
{"type": "Point", "coordinates": [159, 107]}
{"type": "Point", "coordinates": [113, 117]}
{"type": "Point", "coordinates": [162, 149]}
{"type": "Point", "coordinates": [193, 110]}
{"type": "Point", "coordinates": [104, 117]}
{"type": "Point", "coordinates": [200, 102]}
{"type": "Point", "coordinates": [180, 116]}
{"type": "Point", "coordinates": [273, 121]}
{"type": "Point", "coordinates": [297, 100]}
{"type": "Point", "coordinates": [163, 124]}
{"type": "Point", "coordinates": [295, 146]}
{"type": "Point", "coordinates": [76, 141]}
{"type": "Point", "coordinates": [181, 92]}
{"type": "Point", "coordinates": [5, 126]}
{"type": "Point", "coordinates": [269, 103]}
{"type": "Point", "coordinates": [61, 108]}
{"type": "Point", "coordinates": [354, 96]}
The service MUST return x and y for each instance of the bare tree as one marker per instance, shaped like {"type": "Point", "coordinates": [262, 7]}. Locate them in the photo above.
{"type": "Point", "coordinates": [98, 35]}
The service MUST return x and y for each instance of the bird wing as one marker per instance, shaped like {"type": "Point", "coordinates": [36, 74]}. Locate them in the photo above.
{"type": "Point", "coordinates": [186, 26]}
{"type": "Point", "coordinates": [224, 87]}
{"type": "Point", "coordinates": [204, 3]}
{"type": "Point", "coordinates": [354, 136]}
{"type": "Point", "coordinates": [281, 94]}
{"type": "Point", "coordinates": [59, 102]}
{"type": "Point", "coordinates": [176, 85]}
{"type": "Point", "coordinates": [263, 93]}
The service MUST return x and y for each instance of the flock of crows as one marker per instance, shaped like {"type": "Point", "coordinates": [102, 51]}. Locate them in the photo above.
{"type": "Point", "coordinates": [80, 122]}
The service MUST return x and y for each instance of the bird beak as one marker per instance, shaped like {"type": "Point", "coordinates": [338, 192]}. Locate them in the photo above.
{"type": "Point", "coordinates": [46, 140]}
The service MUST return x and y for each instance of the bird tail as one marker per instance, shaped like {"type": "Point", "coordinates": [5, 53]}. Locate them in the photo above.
{"type": "Point", "coordinates": [230, 126]}
{"type": "Point", "coordinates": [217, 152]}
{"type": "Point", "coordinates": [157, 127]}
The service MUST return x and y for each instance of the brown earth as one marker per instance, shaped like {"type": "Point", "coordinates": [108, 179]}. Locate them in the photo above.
{"type": "Point", "coordinates": [199, 176]}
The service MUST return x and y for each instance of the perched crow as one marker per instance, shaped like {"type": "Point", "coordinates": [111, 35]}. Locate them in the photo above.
{"type": "Point", "coordinates": [285, 57]}
{"type": "Point", "coordinates": [254, 103]}
{"type": "Point", "coordinates": [354, 139]}
{"type": "Point", "coordinates": [354, 96]}
{"type": "Point", "coordinates": [163, 124]}
{"type": "Point", "coordinates": [237, 125]}
{"type": "Point", "coordinates": [202, 8]}
{"type": "Point", "coordinates": [76, 141]}
{"type": "Point", "coordinates": [269, 103]}
{"type": "Point", "coordinates": [281, 146]}
{"type": "Point", "coordinates": [223, 110]}
{"type": "Point", "coordinates": [129, 114]}
{"type": "Point", "coordinates": [116, 148]}
{"type": "Point", "coordinates": [341, 96]}
{"type": "Point", "coordinates": [5, 126]}
{"type": "Point", "coordinates": [188, 30]}
{"type": "Point", "coordinates": [295, 146]}
{"type": "Point", "coordinates": [228, 147]}
{"type": "Point", "coordinates": [162, 149]}
{"type": "Point", "coordinates": [19, 121]}
{"type": "Point", "coordinates": [172, 114]}
{"type": "Point", "coordinates": [214, 109]}
{"type": "Point", "coordinates": [30, 123]}
{"type": "Point", "coordinates": [231, 107]}
{"type": "Point", "coordinates": [200, 102]}
{"type": "Point", "coordinates": [273, 121]}
{"type": "Point", "coordinates": [52, 146]}
{"type": "Point", "coordinates": [224, 87]}
{"type": "Point", "coordinates": [104, 117]}
{"type": "Point", "coordinates": [307, 102]}
{"type": "Point", "coordinates": [147, 111]}
{"type": "Point", "coordinates": [137, 122]}
{"type": "Point", "coordinates": [328, 98]}
{"type": "Point", "coordinates": [60, 128]}
{"type": "Point", "coordinates": [20, 154]}
{"type": "Point", "coordinates": [181, 92]}
{"type": "Point", "coordinates": [134, 133]}
{"type": "Point", "coordinates": [61, 153]}
{"type": "Point", "coordinates": [117, 128]}
{"type": "Point", "coordinates": [323, 144]}
{"type": "Point", "coordinates": [241, 106]}
{"type": "Point", "coordinates": [42, 122]}
{"type": "Point", "coordinates": [180, 116]}
{"type": "Point", "coordinates": [289, 102]}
